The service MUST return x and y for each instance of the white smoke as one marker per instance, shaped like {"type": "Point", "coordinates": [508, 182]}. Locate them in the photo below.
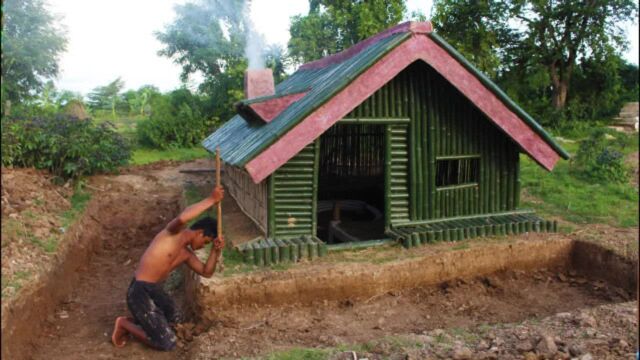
{"type": "Point", "coordinates": [255, 42]}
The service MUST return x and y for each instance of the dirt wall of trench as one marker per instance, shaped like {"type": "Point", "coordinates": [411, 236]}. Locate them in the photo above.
{"type": "Point", "coordinates": [357, 281]}
{"type": "Point", "coordinates": [23, 316]}
{"type": "Point", "coordinates": [600, 263]}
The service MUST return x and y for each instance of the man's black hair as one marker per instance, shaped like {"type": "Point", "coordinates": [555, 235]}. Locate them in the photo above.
{"type": "Point", "coordinates": [209, 226]}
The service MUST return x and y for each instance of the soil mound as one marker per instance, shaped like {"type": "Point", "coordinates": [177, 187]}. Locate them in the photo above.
{"type": "Point", "coordinates": [32, 223]}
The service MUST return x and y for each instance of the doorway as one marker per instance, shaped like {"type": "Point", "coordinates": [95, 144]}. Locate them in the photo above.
{"type": "Point", "coordinates": [351, 178]}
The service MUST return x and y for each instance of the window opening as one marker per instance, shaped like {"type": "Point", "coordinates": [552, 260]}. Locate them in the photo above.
{"type": "Point", "coordinates": [462, 171]}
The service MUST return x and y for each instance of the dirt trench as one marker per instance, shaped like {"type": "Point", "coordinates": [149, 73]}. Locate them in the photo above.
{"type": "Point", "coordinates": [124, 214]}
{"type": "Point", "coordinates": [129, 209]}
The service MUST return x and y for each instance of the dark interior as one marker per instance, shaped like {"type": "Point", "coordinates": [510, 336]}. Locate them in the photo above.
{"type": "Point", "coordinates": [351, 175]}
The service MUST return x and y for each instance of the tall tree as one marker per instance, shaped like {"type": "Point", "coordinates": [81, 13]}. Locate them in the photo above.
{"type": "Point", "coordinates": [476, 28]}
{"type": "Point", "coordinates": [334, 25]}
{"type": "Point", "coordinates": [32, 41]}
{"type": "Point", "coordinates": [561, 32]}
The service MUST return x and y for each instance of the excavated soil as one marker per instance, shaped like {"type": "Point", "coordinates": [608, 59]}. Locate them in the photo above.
{"type": "Point", "coordinates": [126, 211]}
{"type": "Point", "coordinates": [505, 297]}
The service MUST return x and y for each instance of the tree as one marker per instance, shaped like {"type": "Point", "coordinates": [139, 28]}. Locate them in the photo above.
{"type": "Point", "coordinates": [106, 97]}
{"type": "Point", "coordinates": [209, 37]}
{"type": "Point", "coordinates": [476, 28]}
{"type": "Point", "coordinates": [334, 25]}
{"type": "Point", "coordinates": [537, 51]}
{"type": "Point", "coordinates": [559, 33]}
{"type": "Point", "coordinates": [32, 41]}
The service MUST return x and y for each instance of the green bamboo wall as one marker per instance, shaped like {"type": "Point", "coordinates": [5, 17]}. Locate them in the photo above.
{"type": "Point", "coordinates": [397, 174]}
{"type": "Point", "coordinates": [444, 123]}
{"type": "Point", "coordinates": [292, 195]}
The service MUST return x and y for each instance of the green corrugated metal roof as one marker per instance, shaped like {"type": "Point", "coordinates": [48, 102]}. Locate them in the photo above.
{"type": "Point", "coordinates": [241, 140]}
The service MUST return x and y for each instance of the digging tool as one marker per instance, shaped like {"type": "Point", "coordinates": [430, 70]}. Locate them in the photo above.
{"type": "Point", "coordinates": [219, 217]}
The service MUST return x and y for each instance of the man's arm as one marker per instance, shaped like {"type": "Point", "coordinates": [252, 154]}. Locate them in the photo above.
{"type": "Point", "coordinates": [207, 269]}
{"type": "Point", "coordinates": [193, 211]}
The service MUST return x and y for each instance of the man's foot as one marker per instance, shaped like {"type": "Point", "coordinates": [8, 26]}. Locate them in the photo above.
{"type": "Point", "coordinates": [119, 337]}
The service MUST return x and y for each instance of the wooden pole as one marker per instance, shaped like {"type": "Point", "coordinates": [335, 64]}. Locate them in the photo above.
{"type": "Point", "coordinates": [219, 217]}
{"type": "Point", "coordinates": [218, 184]}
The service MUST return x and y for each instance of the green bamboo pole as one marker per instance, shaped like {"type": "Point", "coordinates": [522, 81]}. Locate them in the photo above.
{"type": "Point", "coordinates": [271, 216]}
{"type": "Point", "coordinates": [315, 187]}
{"type": "Point", "coordinates": [387, 178]}
{"type": "Point", "coordinates": [466, 217]}
{"type": "Point", "coordinates": [517, 182]}
{"type": "Point", "coordinates": [414, 153]}
{"type": "Point", "coordinates": [258, 256]}
{"type": "Point", "coordinates": [415, 239]}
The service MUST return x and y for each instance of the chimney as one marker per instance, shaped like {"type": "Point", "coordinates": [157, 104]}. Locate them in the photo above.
{"type": "Point", "coordinates": [258, 82]}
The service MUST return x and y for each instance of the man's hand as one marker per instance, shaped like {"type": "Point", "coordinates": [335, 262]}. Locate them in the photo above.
{"type": "Point", "coordinates": [218, 194]}
{"type": "Point", "coordinates": [218, 243]}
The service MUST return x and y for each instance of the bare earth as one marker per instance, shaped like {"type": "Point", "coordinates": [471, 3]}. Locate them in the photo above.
{"type": "Point", "coordinates": [543, 314]}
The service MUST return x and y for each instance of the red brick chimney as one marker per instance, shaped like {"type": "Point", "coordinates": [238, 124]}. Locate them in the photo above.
{"type": "Point", "coordinates": [258, 82]}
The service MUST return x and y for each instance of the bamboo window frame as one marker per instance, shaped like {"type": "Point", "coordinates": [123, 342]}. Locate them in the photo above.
{"type": "Point", "coordinates": [475, 173]}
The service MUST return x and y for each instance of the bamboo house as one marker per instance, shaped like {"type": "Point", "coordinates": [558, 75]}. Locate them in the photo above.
{"type": "Point", "coordinates": [398, 137]}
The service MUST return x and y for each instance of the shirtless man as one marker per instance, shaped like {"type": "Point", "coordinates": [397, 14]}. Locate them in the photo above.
{"type": "Point", "coordinates": [152, 309]}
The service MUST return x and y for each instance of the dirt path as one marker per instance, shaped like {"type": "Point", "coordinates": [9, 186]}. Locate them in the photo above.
{"type": "Point", "coordinates": [128, 212]}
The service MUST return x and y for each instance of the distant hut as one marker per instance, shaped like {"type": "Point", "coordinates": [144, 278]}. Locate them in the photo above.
{"type": "Point", "coordinates": [75, 108]}
{"type": "Point", "coordinates": [398, 137]}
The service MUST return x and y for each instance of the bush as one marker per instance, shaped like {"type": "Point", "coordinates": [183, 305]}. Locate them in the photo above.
{"type": "Point", "coordinates": [64, 145]}
{"type": "Point", "coordinates": [176, 122]}
{"type": "Point", "coordinates": [600, 156]}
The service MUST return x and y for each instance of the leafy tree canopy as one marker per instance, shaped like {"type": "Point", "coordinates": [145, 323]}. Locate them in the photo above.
{"type": "Point", "coordinates": [559, 59]}
{"type": "Point", "coordinates": [209, 37]}
{"type": "Point", "coordinates": [477, 29]}
{"type": "Point", "coordinates": [334, 25]}
{"type": "Point", "coordinates": [32, 41]}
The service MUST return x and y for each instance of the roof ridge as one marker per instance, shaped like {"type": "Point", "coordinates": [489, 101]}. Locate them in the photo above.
{"type": "Point", "coordinates": [408, 26]}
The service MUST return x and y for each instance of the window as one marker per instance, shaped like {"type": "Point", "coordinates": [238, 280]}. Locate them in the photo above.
{"type": "Point", "coordinates": [457, 171]}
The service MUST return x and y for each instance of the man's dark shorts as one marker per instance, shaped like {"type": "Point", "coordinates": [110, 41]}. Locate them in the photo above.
{"type": "Point", "coordinates": [153, 310]}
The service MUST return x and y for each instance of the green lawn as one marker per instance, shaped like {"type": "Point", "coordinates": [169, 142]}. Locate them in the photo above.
{"type": "Point", "coordinates": [126, 125]}
{"type": "Point", "coordinates": [143, 156]}
{"type": "Point", "coordinates": [561, 193]}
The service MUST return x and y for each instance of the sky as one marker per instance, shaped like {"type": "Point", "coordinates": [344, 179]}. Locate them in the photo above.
{"type": "Point", "coordinates": [106, 42]}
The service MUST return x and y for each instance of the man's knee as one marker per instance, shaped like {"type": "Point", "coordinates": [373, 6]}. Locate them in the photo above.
{"type": "Point", "coordinates": [167, 345]}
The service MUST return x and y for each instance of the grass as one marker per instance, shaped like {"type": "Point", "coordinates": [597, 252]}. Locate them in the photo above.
{"type": "Point", "coordinates": [15, 281]}
{"type": "Point", "coordinates": [79, 201]}
{"type": "Point", "coordinates": [142, 156]}
{"type": "Point", "coordinates": [299, 353]}
{"type": "Point", "coordinates": [126, 125]}
{"type": "Point", "coordinates": [386, 345]}
{"type": "Point", "coordinates": [563, 194]}
{"type": "Point", "coordinates": [50, 245]}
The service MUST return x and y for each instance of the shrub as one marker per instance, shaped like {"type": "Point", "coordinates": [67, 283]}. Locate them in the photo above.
{"type": "Point", "coordinates": [176, 122]}
{"type": "Point", "coordinates": [600, 156]}
{"type": "Point", "coordinates": [64, 145]}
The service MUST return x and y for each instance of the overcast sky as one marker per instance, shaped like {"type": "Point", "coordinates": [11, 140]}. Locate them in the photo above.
{"type": "Point", "coordinates": [110, 39]}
